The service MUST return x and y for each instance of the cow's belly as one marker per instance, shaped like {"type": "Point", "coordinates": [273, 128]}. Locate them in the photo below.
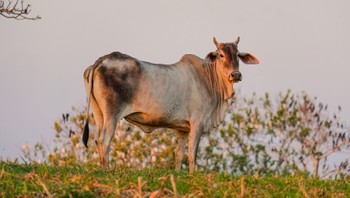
{"type": "Point", "coordinates": [148, 122]}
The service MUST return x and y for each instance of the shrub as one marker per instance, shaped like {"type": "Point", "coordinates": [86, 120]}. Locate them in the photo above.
{"type": "Point", "coordinates": [292, 134]}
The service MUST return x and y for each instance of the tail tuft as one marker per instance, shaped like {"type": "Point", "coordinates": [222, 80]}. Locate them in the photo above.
{"type": "Point", "coordinates": [86, 134]}
{"type": "Point", "coordinates": [86, 76]}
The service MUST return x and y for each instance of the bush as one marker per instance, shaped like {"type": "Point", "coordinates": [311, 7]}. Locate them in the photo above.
{"type": "Point", "coordinates": [292, 134]}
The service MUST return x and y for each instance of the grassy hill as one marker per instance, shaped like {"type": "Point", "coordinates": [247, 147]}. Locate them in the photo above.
{"type": "Point", "coordinates": [92, 181]}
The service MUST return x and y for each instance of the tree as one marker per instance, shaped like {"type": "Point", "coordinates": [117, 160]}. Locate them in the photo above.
{"type": "Point", "coordinates": [16, 10]}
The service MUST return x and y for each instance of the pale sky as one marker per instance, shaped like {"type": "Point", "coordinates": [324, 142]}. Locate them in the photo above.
{"type": "Point", "coordinates": [302, 45]}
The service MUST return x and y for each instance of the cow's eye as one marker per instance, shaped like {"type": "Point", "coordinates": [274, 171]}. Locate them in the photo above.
{"type": "Point", "coordinates": [221, 55]}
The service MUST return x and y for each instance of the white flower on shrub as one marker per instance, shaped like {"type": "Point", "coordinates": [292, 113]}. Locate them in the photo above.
{"type": "Point", "coordinates": [120, 154]}
{"type": "Point", "coordinates": [144, 165]}
{"type": "Point", "coordinates": [95, 155]}
{"type": "Point", "coordinates": [224, 154]}
{"type": "Point", "coordinates": [163, 147]}
{"type": "Point", "coordinates": [256, 126]}
{"type": "Point", "coordinates": [25, 147]}
{"type": "Point", "coordinates": [154, 151]}
{"type": "Point", "coordinates": [249, 147]}
{"type": "Point", "coordinates": [63, 150]}
{"type": "Point", "coordinates": [153, 159]}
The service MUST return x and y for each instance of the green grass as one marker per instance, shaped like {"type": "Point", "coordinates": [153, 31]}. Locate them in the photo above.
{"type": "Point", "coordinates": [92, 181]}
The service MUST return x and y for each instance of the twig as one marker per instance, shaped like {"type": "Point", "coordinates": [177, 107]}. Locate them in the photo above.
{"type": "Point", "coordinates": [172, 180]}
{"type": "Point", "coordinates": [335, 149]}
{"type": "Point", "coordinates": [44, 187]}
{"type": "Point", "coordinates": [302, 189]}
{"type": "Point", "coordinates": [140, 185]}
{"type": "Point", "coordinates": [16, 11]}
{"type": "Point", "coordinates": [2, 172]}
{"type": "Point", "coordinates": [159, 193]}
{"type": "Point", "coordinates": [242, 187]}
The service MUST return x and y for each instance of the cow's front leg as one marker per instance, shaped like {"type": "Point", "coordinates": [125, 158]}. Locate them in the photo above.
{"type": "Point", "coordinates": [181, 138]}
{"type": "Point", "coordinates": [193, 142]}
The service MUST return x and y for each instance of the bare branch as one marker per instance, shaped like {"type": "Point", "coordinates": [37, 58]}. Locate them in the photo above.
{"type": "Point", "coordinates": [17, 10]}
{"type": "Point", "coordinates": [337, 148]}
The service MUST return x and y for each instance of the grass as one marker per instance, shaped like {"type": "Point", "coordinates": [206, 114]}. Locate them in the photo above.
{"type": "Point", "coordinates": [21, 180]}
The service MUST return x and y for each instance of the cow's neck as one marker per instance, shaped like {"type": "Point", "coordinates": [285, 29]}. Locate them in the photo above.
{"type": "Point", "coordinates": [221, 92]}
{"type": "Point", "coordinates": [225, 88]}
{"type": "Point", "coordinates": [213, 80]}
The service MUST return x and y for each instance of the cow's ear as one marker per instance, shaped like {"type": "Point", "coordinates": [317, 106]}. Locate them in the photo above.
{"type": "Point", "coordinates": [248, 58]}
{"type": "Point", "coordinates": [211, 56]}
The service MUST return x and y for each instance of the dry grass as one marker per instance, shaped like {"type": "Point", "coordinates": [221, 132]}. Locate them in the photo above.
{"type": "Point", "coordinates": [92, 181]}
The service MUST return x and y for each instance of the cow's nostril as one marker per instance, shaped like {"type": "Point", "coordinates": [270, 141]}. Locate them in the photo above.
{"type": "Point", "coordinates": [237, 76]}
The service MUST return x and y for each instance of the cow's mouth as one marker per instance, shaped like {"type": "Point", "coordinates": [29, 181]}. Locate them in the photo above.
{"type": "Point", "coordinates": [235, 80]}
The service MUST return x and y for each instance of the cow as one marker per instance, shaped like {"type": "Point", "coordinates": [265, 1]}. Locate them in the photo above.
{"type": "Point", "coordinates": [189, 96]}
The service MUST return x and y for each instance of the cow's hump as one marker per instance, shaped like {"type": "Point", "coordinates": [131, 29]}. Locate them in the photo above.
{"type": "Point", "coordinates": [190, 58]}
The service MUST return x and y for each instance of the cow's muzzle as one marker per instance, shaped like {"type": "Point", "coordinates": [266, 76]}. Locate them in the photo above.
{"type": "Point", "coordinates": [235, 76]}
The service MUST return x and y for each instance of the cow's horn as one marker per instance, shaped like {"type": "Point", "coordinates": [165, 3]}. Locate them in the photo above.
{"type": "Point", "coordinates": [237, 41]}
{"type": "Point", "coordinates": [215, 42]}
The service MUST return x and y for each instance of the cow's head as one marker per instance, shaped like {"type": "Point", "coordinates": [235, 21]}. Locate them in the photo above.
{"type": "Point", "coordinates": [226, 58]}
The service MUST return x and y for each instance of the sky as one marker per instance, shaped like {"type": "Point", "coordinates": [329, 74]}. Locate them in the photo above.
{"type": "Point", "coordinates": [302, 46]}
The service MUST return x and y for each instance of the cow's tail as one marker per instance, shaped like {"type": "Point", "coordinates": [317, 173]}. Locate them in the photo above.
{"type": "Point", "coordinates": [89, 76]}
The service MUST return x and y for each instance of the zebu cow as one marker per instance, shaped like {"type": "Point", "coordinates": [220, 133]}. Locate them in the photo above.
{"type": "Point", "coordinates": [189, 96]}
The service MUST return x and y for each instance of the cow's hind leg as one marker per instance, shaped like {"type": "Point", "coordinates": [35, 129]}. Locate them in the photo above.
{"type": "Point", "coordinates": [181, 139]}
{"type": "Point", "coordinates": [98, 117]}
{"type": "Point", "coordinates": [105, 138]}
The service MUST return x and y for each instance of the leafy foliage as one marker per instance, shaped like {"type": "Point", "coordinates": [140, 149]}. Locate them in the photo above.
{"type": "Point", "coordinates": [292, 134]}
